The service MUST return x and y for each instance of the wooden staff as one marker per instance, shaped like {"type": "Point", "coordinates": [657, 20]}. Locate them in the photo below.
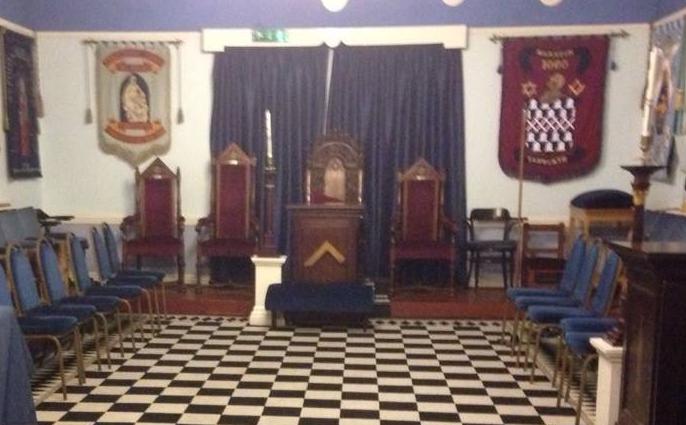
{"type": "Point", "coordinates": [520, 197]}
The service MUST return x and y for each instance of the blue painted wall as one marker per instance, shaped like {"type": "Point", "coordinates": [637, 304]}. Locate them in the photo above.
{"type": "Point", "coordinates": [666, 7]}
{"type": "Point", "coordinates": [189, 15]}
{"type": "Point", "coordinates": [16, 11]}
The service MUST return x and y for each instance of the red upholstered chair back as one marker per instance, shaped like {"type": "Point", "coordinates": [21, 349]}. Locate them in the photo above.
{"type": "Point", "coordinates": [421, 200]}
{"type": "Point", "coordinates": [158, 201]}
{"type": "Point", "coordinates": [233, 193]}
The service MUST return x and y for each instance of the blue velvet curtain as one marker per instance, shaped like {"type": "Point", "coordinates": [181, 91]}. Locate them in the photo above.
{"type": "Point", "coordinates": [291, 83]}
{"type": "Point", "coordinates": [401, 103]}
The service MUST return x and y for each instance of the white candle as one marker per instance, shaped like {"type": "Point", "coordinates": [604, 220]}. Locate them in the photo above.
{"type": "Point", "coordinates": [268, 130]}
{"type": "Point", "coordinates": [649, 95]}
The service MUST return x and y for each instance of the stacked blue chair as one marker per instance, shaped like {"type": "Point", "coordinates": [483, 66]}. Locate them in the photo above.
{"type": "Point", "coordinates": [582, 289]}
{"type": "Point", "coordinates": [56, 290]}
{"type": "Point", "coordinates": [84, 286]}
{"type": "Point", "coordinates": [564, 288]}
{"type": "Point", "coordinates": [119, 271]}
{"type": "Point", "coordinates": [574, 343]}
{"type": "Point", "coordinates": [109, 278]}
{"type": "Point", "coordinates": [544, 317]}
{"type": "Point", "coordinates": [37, 323]}
{"type": "Point", "coordinates": [54, 329]}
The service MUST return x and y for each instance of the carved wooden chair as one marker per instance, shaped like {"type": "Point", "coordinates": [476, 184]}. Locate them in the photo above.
{"type": "Point", "coordinates": [156, 228]}
{"type": "Point", "coordinates": [231, 228]}
{"type": "Point", "coordinates": [334, 170]}
{"type": "Point", "coordinates": [421, 231]}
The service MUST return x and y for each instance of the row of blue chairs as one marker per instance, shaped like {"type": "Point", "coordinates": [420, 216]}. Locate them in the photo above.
{"type": "Point", "coordinates": [575, 310]}
{"type": "Point", "coordinates": [51, 311]}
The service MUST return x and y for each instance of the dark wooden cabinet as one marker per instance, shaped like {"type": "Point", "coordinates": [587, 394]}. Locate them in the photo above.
{"type": "Point", "coordinates": [654, 374]}
{"type": "Point", "coordinates": [325, 242]}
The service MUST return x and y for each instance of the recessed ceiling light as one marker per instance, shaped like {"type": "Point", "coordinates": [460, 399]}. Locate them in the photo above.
{"type": "Point", "coordinates": [453, 3]}
{"type": "Point", "coordinates": [551, 3]}
{"type": "Point", "coordinates": [334, 5]}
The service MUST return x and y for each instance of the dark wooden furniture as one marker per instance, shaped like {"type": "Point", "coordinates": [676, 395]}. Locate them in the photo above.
{"type": "Point", "coordinates": [156, 227]}
{"type": "Point", "coordinates": [325, 243]}
{"type": "Point", "coordinates": [231, 228]}
{"type": "Point", "coordinates": [498, 249]}
{"type": "Point", "coordinates": [334, 170]}
{"type": "Point", "coordinates": [542, 261]}
{"type": "Point", "coordinates": [420, 230]}
{"type": "Point", "coordinates": [654, 375]}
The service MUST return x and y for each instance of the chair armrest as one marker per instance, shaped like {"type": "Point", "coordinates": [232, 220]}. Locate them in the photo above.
{"type": "Point", "coordinates": [449, 225]}
{"type": "Point", "coordinates": [129, 227]}
{"type": "Point", "coordinates": [205, 228]}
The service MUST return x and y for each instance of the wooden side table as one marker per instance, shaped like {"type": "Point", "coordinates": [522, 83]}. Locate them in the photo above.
{"type": "Point", "coordinates": [581, 219]}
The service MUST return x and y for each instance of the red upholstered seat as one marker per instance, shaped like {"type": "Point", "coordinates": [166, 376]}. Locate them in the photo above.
{"type": "Point", "coordinates": [230, 230]}
{"type": "Point", "coordinates": [421, 231]}
{"type": "Point", "coordinates": [156, 228]}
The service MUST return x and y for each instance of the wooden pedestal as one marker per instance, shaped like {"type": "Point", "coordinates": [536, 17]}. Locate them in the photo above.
{"type": "Point", "coordinates": [654, 376]}
{"type": "Point", "coordinates": [325, 242]}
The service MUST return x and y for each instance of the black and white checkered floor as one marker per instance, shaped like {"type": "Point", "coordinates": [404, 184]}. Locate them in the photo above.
{"type": "Point", "coordinates": [215, 370]}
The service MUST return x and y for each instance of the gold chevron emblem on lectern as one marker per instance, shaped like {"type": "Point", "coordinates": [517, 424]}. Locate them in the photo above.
{"type": "Point", "coordinates": [325, 248]}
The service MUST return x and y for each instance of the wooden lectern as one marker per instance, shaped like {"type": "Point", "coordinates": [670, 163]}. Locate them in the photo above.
{"type": "Point", "coordinates": [325, 232]}
{"type": "Point", "coordinates": [324, 242]}
{"type": "Point", "coordinates": [654, 371]}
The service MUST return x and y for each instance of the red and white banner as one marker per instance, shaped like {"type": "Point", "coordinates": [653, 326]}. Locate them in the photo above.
{"type": "Point", "coordinates": [553, 98]}
{"type": "Point", "coordinates": [133, 100]}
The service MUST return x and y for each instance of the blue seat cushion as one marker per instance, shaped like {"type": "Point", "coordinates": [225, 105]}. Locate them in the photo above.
{"type": "Point", "coordinates": [525, 303]}
{"type": "Point", "coordinates": [80, 312]}
{"type": "Point", "coordinates": [53, 325]}
{"type": "Point", "coordinates": [102, 303]}
{"type": "Point", "coordinates": [142, 273]}
{"type": "Point", "coordinates": [132, 281]}
{"type": "Point", "coordinates": [588, 324]}
{"type": "Point", "coordinates": [553, 314]}
{"type": "Point", "coordinates": [328, 298]}
{"type": "Point", "coordinates": [120, 291]}
{"type": "Point", "coordinates": [513, 293]}
{"type": "Point", "coordinates": [603, 198]}
{"type": "Point", "coordinates": [579, 342]}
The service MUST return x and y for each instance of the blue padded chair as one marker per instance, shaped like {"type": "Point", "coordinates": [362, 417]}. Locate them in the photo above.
{"type": "Point", "coordinates": [40, 321]}
{"type": "Point", "coordinates": [549, 317]}
{"type": "Point", "coordinates": [115, 262]}
{"type": "Point", "coordinates": [85, 286]}
{"type": "Point", "coordinates": [109, 278]}
{"type": "Point", "coordinates": [582, 288]}
{"type": "Point", "coordinates": [116, 266]}
{"type": "Point", "coordinates": [56, 290]}
{"type": "Point", "coordinates": [564, 288]}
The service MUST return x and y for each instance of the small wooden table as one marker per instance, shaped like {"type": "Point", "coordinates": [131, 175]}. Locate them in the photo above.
{"type": "Point", "coordinates": [325, 242]}
{"type": "Point", "coordinates": [582, 219]}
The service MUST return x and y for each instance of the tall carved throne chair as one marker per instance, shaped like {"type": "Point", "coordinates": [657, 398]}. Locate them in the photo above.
{"type": "Point", "coordinates": [156, 227]}
{"type": "Point", "coordinates": [420, 229]}
{"type": "Point", "coordinates": [334, 170]}
{"type": "Point", "coordinates": [231, 228]}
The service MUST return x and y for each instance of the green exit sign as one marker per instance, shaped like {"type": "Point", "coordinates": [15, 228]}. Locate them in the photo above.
{"type": "Point", "coordinates": [269, 35]}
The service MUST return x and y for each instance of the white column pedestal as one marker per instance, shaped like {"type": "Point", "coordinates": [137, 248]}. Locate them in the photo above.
{"type": "Point", "coordinates": [609, 381]}
{"type": "Point", "coordinates": [267, 272]}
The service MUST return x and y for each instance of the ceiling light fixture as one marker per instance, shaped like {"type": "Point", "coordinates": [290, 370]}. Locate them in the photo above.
{"type": "Point", "coordinates": [453, 3]}
{"type": "Point", "coordinates": [551, 3]}
{"type": "Point", "coordinates": [334, 5]}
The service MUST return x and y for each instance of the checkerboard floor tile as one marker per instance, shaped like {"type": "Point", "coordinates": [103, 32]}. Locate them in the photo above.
{"type": "Point", "coordinates": [216, 370]}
